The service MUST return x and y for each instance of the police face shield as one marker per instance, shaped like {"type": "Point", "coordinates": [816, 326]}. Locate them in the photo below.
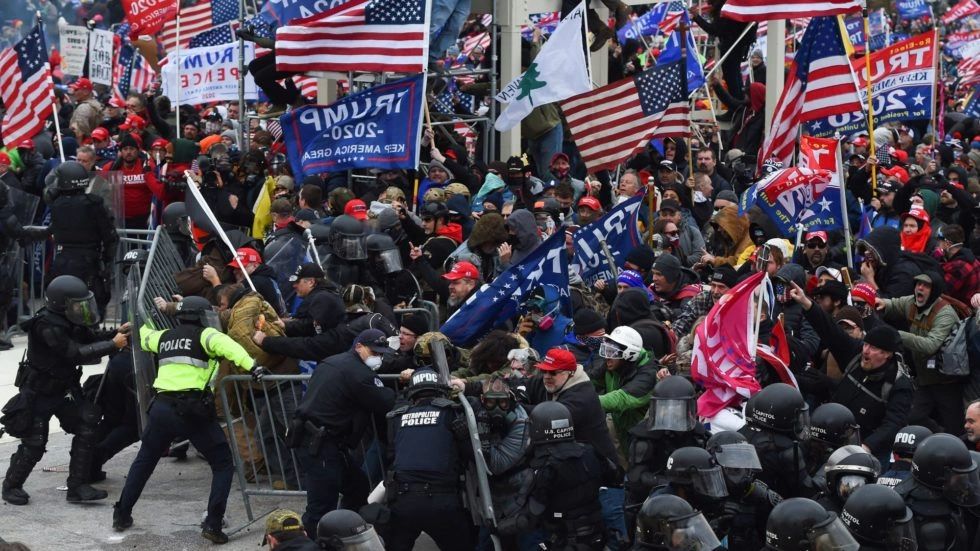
{"type": "Point", "coordinates": [710, 482]}
{"type": "Point", "coordinates": [832, 535]}
{"type": "Point", "coordinates": [692, 533]}
{"type": "Point", "coordinates": [848, 483]}
{"type": "Point", "coordinates": [210, 318]}
{"type": "Point", "coordinates": [365, 541]}
{"type": "Point", "coordinates": [901, 535]}
{"type": "Point", "coordinates": [390, 261]}
{"type": "Point", "coordinates": [349, 247]}
{"type": "Point", "coordinates": [963, 487]}
{"type": "Point", "coordinates": [802, 426]}
{"type": "Point", "coordinates": [82, 311]}
{"type": "Point", "coordinates": [739, 462]}
{"type": "Point", "coordinates": [671, 414]}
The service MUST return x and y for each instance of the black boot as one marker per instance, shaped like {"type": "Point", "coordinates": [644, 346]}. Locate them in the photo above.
{"type": "Point", "coordinates": [84, 492]}
{"type": "Point", "coordinates": [214, 534]}
{"type": "Point", "coordinates": [121, 520]}
{"type": "Point", "coordinates": [14, 495]}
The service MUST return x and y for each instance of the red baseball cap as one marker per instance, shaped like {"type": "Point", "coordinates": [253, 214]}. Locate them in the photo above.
{"type": "Point", "coordinates": [4, 158]}
{"type": "Point", "coordinates": [558, 359]}
{"type": "Point", "coordinates": [99, 134]}
{"type": "Point", "coordinates": [357, 209]}
{"type": "Point", "coordinates": [591, 202]}
{"type": "Point", "coordinates": [896, 172]}
{"type": "Point", "coordinates": [80, 84]}
{"type": "Point", "coordinates": [160, 143]}
{"type": "Point", "coordinates": [247, 255]}
{"type": "Point", "coordinates": [821, 235]}
{"type": "Point", "coordinates": [462, 270]}
{"type": "Point", "coordinates": [133, 122]}
{"type": "Point", "coordinates": [116, 102]}
{"type": "Point", "coordinates": [865, 292]}
{"type": "Point", "coordinates": [26, 144]}
{"type": "Point", "coordinates": [860, 141]}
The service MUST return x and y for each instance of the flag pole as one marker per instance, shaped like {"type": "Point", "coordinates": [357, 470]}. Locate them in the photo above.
{"type": "Point", "coordinates": [585, 35]}
{"type": "Point", "coordinates": [241, 82]}
{"type": "Point", "coordinates": [177, 83]}
{"type": "Point", "coordinates": [54, 110]}
{"type": "Point", "coordinates": [871, 115]}
{"type": "Point", "coordinates": [939, 83]}
{"type": "Point", "coordinates": [683, 27]}
{"type": "Point", "coordinates": [730, 50]}
{"type": "Point", "coordinates": [843, 204]}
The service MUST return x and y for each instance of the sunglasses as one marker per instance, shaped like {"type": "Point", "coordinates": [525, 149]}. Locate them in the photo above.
{"type": "Point", "coordinates": [816, 245]}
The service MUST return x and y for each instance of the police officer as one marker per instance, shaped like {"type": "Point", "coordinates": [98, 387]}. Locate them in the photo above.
{"type": "Point", "coordinates": [84, 232]}
{"type": "Point", "coordinates": [344, 530]}
{"type": "Point", "coordinates": [178, 226]}
{"type": "Point", "coordinates": [944, 480]}
{"type": "Point", "coordinates": [60, 338]}
{"type": "Point", "coordinates": [667, 522]}
{"type": "Point", "coordinates": [879, 520]}
{"type": "Point", "coordinates": [749, 502]}
{"type": "Point", "coordinates": [423, 485]}
{"type": "Point", "coordinates": [385, 264]}
{"type": "Point", "coordinates": [343, 395]}
{"type": "Point", "coordinates": [671, 423]}
{"type": "Point", "coordinates": [906, 441]}
{"type": "Point", "coordinates": [831, 426]}
{"type": "Point", "coordinates": [348, 251]}
{"type": "Point", "coordinates": [777, 419]}
{"type": "Point", "coordinates": [845, 474]}
{"type": "Point", "coordinates": [801, 524]}
{"type": "Point", "coordinates": [187, 358]}
{"type": "Point", "coordinates": [694, 475]}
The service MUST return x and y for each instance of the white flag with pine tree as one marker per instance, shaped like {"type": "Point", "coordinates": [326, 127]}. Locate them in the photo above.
{"type": "Point", "coordinates": [558, 72]}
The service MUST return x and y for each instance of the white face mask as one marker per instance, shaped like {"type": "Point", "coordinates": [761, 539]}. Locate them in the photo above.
{"type": "Point", "coordinates": [374, 362]}
{"type": "Point", "coordinates": [699, 197]}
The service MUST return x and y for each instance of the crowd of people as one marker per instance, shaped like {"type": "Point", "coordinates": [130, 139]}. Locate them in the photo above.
{"type": "Point", "coordinates": [587, 417]}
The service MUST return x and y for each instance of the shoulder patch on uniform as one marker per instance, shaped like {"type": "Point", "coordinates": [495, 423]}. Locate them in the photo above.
{"type": "Point", "coordinates": [378, 383]}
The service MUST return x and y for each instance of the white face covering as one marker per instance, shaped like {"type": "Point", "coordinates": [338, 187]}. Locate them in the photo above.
{"type": "Point", "coordinates": [699, 197]}
{"type": "Point", "coordinates": [374, 362]}
{"type": "Point", "coordinates": [621, 198]}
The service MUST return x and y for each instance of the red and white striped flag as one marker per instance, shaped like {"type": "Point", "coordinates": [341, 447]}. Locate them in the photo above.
{"type": "Point", "coordinates": [675, 12]}
{"type": "Point", "coordinates": [820, 84]}
{"type": "Point", "coordinates": [610, 123]}
{"type": "Point", "coordinates": [723, 361]}
{"type": "Point", "coordinates": [25, 87]}
{"type": "Point", "coordinates": [777, 353]}
{"type": "Point", "coordinates": [196, 19]}
{"type": "Point", "coordinates": [361, 35]}
{"type": "Point", "coordinates": [968, 72]}
{"type": "Point", "coordinates": [764, 10]}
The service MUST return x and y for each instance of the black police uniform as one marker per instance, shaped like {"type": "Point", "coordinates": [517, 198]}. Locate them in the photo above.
{"type": "Point", "coordinates": [55, 349]}
{"type": "Point", "coordinates": [423, 489]}
{"type": "Point", "coordinates": [782, 458]}
{"type": "Point", "coordinates": [342, 396]}
{"type": "Point", "coordinates": [85, 239]}
{"type": "Point", "coordinates": [314, 331]}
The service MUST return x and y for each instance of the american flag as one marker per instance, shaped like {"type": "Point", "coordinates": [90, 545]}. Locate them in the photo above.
{"type": "Point", "coordinates": [764, 10]}
{"type": "Point", "coordinates": [675, 12]}
{"type": "Point", "coordinates": [214, 37]}
{"type": "Point", "coordinates": [820, 84]}
{"type": "Point", "coordinates": [130, 72]}
{"type": "Point", "coordinates": [610, 123]}
{"type": "Point", "coordinates": [723, 359]}
{"type": "Point", "coordinates": [25, 87]}
{"type": "Point", "coordinates": [968, 72]}
{"type": "Point", "coordinates": [197, 19]}
{"type": "Point", "coordinates": [361, 35]}
{"type": "Point", "coordinates": [306, 85]}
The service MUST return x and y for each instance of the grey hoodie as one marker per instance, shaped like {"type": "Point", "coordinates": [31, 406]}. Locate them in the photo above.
{"type": "Point", "coordinates": [526, 228]}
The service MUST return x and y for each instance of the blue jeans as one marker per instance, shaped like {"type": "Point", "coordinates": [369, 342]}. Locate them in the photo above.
{"type": "Point", "coordinates": [543, 148]}
{"type": "Point", "coordinates": [447, 20]}
{"type": "Point", "coordinates": [611, 500]}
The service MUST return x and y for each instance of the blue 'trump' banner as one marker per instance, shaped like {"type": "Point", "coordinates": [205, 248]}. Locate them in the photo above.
{"type": "Point", "coordinates": [619, 230]}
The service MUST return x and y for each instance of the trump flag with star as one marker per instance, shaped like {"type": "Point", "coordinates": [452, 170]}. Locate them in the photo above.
{"type": "Point", "coordinates": [790, 195]}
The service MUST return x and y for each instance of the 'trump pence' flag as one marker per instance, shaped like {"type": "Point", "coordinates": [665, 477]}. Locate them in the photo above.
{"type": "Point", "coordinates": [558, 72]}
{"type": "Point", "coordinates": [725, 345]}
{"type": "Point", "coordinates": [498, 301]}
{"type": "Point", "coordinates": [825, 214]}
{"type": "Point", "coordinates": [787, 195]}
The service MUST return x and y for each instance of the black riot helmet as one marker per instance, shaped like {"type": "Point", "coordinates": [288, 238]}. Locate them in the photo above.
{"type": "Point", "coordinates": [71, 176]}
{"type": "Point", "coordinates": [344, 530]}
{"type": "Point", "coordinates": [780, 408]}
{"type": "Point", "coordinates": [347, 239]}
{"type": "Point", "coordinates": [196, 310]}
{"type": "Point", "coordinates": [943, 462]}
{"type": "Point", "coordinates": [669, 522]}
{"type": "Point", "coordinates": [672, 405]}
{"type": "Point", "coordinates": [175, 218]}
{"type": "Point", "coordinates": [383, 253]}
{"type": "Point", "coordinates": [551, 422]}
{"type": "Point", "coordinates": [739, 460]}
{"type": "Point", "coordinates": [851, 472]}
{"type": "Point", "coordinates": [907, 440]}
{"type": "Point", "coordinates": [801, 524]}
{"type": "Point", "coordinates": [437, 210]}
{"type": "Point", "coordinates": [877, 515]}
{"type": "Point", "coordinates": [70, 296]}
{"type": "Point", "coordinates": [834, 425]}
{"type": "Point", "coordinates": [425, 383]}
{"type": "Point", "coordinates": [696, 468]}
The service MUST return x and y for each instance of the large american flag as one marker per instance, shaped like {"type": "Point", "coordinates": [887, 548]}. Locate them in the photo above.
{"type": "Point", "coordinates": [764, 10]}
{"type": "Point", "coordinates": [196, 19]}
{"type": "Point", "coordinates": [222, 34]}
{"type": "Point", "coordinates": [820, 84]}
{"type": "Point", "coordinates": [675, 12]}
{"type": "Point", "coordinates": [610, 123]}
{"type": "Point", "coordinates": [25, 87]}
{"type": "Point", "coordinates": [130, 72]}
{"type": "Point", "coordinates": [361, 35]}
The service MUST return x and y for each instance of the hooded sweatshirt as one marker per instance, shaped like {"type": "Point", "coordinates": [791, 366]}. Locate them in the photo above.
{"type": "Point", "coordinates": [917, 242]}
{"type": "Point", "coordinates": [528, 237]}
{"type": "Point", "coordinates": [894, 277]}
{"type": "Point", "coordinates": [736, 229]}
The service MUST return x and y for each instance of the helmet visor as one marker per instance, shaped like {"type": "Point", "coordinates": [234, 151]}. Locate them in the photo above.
{"type": "Point", "coordinates": [852, 435]}
{"type": "Point", "coordinates": [710, 482]}
{"type": "Point", "coordinates": [901, 536]}
{"type": "Point", "coordinates": [675, 415]}
{"type": "Point", "coordinates": [210, 318]}
{"type": "Point", "coordinates": [82, 311]}
{"type": "Point", "coordinates": [691, 534]}
{"type": "Point", "coordinates": [832, 536]}
{"type": "Point", "coordinates": [611, 350]}
{"type": "Point", "coordinates": [364, 541]}
{"type": "Point", "coordinates": [350, 247]}
{"type": "Point", "coordinates": [738, 456]}
{"type": "Point", "coordinates": [848, 483]}
{"type": "Point", "coordinates": [390, 261]}
{"type": "Point", "coordinates": [963, 488]}
{"type": "Point", "coordinates": [802, 426]}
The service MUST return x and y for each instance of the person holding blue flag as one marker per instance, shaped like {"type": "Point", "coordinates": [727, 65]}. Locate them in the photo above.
{"type": "Point", "coordinates": [733, 41]}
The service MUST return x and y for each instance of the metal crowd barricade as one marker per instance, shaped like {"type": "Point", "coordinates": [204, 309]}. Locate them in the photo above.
{"type": "Point", "coordinates": [129, 240]}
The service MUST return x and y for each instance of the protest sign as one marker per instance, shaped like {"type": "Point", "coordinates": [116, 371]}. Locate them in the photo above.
{"type": "Point", "coordinates": [74, 48]}
{"type": "Point", "coordinates": [207, 74]}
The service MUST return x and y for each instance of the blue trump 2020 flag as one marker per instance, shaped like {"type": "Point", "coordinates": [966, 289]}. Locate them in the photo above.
{"type": "Point", "coordinates": [498, 301]}
{"type": "Point", "coordinates": [790, 195]}
{"type": "Point", "coordinates": [376, 128]}
{"type": "Point", "coordinates": [618, 229]}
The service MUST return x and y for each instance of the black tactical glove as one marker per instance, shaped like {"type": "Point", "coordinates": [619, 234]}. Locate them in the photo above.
{"type": "Point", "coordinates": [259, 372]}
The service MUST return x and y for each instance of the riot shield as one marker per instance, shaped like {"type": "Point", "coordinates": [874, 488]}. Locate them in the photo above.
{"type": "Point", "coordinates": [284, 255]}
{"type": "Point", "coordinates": [24, 205]}
{"type": "Point", "coordinates": [158, 280]}
{"type": "Point", "coordinates": [110, 189]}
{"type": "Point", "coordinates": [144, 367]}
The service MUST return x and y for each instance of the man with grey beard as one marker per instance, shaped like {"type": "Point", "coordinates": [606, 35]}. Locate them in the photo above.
{"type": "Point", "coordinates": [464, 280]}
{"type": "Point", "coordinates": [930, 320]}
